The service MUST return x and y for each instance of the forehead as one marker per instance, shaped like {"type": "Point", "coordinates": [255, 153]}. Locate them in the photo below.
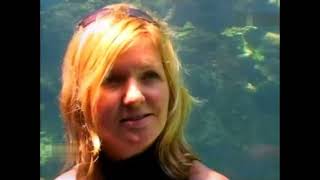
{"type": "Point", "coordinates": [141, 53]}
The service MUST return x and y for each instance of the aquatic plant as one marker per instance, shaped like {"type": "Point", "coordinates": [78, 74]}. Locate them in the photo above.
{"type": "Point", "coordinates": [251, 88]}
{"type": "Point", "coordinates": [212, 128]}
{"type": "Point", "coordinates": [184, 31]}
{"type": "Point", "coordinates": [247, 50]}
{"type": "Point", "coordinates": [195, 44]}
{"type": "Point", "coordinates": [269, 70]}
{"type": "Point", "coordinates": [45, 148]}
{"type": "Point", "coordinates": [272, 38]}
{"type": "Point", "coordinates": [238, 31]}
{"type": "Point", "coordinates": [268, 48]}
{"type": "Point", "coordinates": [63, 16]}
{"type": "Point", "coordinates": [240, 95]}
{"type": "Point", "coordinates": [274, 2]}
{"type": "Point", "coordinates": [184, 34]}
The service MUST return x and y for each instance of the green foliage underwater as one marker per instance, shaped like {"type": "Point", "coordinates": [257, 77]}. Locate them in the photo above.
{"type": "Point", "coordinates": [230, 49]}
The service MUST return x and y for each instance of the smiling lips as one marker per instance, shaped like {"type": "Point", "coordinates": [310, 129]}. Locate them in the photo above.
{"type": "Point", "coordinates": [135, 117]}
{"type": "Point", "coordinates": [136, 121]}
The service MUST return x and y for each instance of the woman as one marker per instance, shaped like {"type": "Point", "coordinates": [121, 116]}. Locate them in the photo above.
{"type": "Point", "coordinates": [123, 101]}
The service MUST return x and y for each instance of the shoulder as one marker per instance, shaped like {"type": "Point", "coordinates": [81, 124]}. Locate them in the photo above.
{"type": "Point", "coordinates": [199, 171]}
{"type": "Point", "coordinates": [69, 175]}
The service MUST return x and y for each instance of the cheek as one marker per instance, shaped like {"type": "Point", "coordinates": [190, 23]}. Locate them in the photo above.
{"type": "Point", "coordinates": [159, 97]}
{"type": "Point", "coordinates": [105, 109]}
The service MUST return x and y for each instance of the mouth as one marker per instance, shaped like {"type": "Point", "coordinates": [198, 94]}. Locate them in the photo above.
{"type": "Point", "coordinates": [135, 117]}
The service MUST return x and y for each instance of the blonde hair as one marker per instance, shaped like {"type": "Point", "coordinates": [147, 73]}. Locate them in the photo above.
{"type": "Point", "coordinates": [88, 59]}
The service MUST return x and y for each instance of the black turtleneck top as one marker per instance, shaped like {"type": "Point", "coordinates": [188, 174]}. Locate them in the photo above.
{"type": "Point", "coordinates": [141, 166]}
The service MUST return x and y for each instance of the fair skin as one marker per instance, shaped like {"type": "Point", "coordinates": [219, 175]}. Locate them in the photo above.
{"type": "Point", "coordinates": [132, 104]}
{"type": "Point", "coordinates": [198, 171]}
{"type": "Point", "coordinates": [132, 107]}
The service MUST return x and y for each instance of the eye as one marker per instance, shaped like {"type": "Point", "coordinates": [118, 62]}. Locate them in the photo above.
{"type": "Point", "coordinates": [113, 80]}
{"type": "Point", "coordinates": [150, 75]}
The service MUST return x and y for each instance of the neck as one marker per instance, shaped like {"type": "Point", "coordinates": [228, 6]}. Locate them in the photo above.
{"type": "Point", "coordinates": [144, 165]}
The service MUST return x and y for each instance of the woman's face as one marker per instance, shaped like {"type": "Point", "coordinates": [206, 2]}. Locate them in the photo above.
{"type": "Point", "coordinates": [132, 104]}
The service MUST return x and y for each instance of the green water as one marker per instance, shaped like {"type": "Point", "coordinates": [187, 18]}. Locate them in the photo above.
{"type": "Point", "coordinates": [231, 52]}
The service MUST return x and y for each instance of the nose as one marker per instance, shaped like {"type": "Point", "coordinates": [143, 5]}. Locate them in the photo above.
{"type": "Point", "coordinates": [133, 96]}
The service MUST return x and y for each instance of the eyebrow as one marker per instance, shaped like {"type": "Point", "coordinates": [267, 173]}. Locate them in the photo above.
{"type": "Point", "coordinates": [149, 66]}
{"type": "Point", "coordinates": [143, 67]}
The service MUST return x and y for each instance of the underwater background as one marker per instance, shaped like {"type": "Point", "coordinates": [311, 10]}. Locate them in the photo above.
{"type": "Point", "coordinates": [230, 49]}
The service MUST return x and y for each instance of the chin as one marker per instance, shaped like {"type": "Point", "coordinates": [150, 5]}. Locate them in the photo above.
{"type": "Point", "coordinates": [129, 143]}
{"type": "Point", "coordinates": [127, 150]}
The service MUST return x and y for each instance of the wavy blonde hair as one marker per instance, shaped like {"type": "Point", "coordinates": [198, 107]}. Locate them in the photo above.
{"type": "Point", "coordinates": [88, 59]}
